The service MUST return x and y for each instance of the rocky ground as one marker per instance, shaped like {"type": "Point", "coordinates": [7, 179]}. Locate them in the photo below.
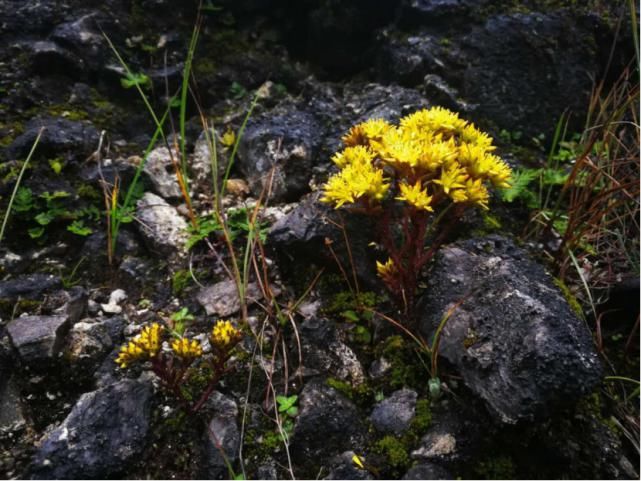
{"type": "Point", "coordinates": [520, 393]}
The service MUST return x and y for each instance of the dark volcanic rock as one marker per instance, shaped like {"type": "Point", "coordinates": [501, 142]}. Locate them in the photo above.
{"type": "Point", "coordinates": [289, 144]}
{"type": "Point", "coordinates": [30, 286]}
{"type": "Point", "coordinates": [105, 430]}
{"type": "Point", "coordinates": [524, 70]}
{"type": "Point", "coordinates": [303, 232]}
{"type": "Point", "coordinates": [514, 339]}
{"type": "Point", "coordinates": [394, 414]}
{"type": "Point", "coordinates": [59, 136]}
{"type": "Point", "coordinates": [48, 58]}
{"type": "Point", "coordinates": [324, 352]}
{"type": "Point", "coordinates": [428, 471]}
{"type": "Point", "coordinates": [38, 337]}
{"type": "Point", "coordinates": [327, 425]}
{"type": "Point", "coordinates": [222, 430]}
{"type": "Point", "coordinates": [343, 467]}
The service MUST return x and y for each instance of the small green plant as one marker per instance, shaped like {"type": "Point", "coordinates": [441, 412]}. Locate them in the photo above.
{"type": "Point", "coordinates": [180, 320]}
{"type": "Point", "coordinates": [237, 91]}
{"type": "Point", "coordinates": [417, 179]}
{"type": "Point", "coordinates": [185, 366]}
{"type": "Point", "coordinates": [132, 79]}
{"type": "Point", "coordinates": [288, 411]}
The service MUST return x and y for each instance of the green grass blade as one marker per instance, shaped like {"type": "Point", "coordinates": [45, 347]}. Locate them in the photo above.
{"type": "Point", "coordinates": [18, 181]}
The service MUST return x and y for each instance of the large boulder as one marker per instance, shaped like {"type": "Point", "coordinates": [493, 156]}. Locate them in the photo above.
{"type": "Point", "coordinates": [105, 430]}
{"type": "Point", "coordinates": [511, 333]}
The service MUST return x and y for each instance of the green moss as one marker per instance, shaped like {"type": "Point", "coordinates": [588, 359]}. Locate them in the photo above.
{"type": "Point", "coordinates": [179, 281]}
{"type": "Point", "coordinates": [394, 450]}
{"type": "Point", "coordinates": [572, 300]}
{"type": "Point", "coordinates": [361, 394]}
{"type": "Point", "coordinates": [88, 191]}
{"type": "Point", "coordinates": [499, 467]}
{"type": "Point", "coordinates": [68, 112]}
{"type": "Point", "coordinates": [406, 368]}
{"type": "Point", "coordinates": [422, 417]}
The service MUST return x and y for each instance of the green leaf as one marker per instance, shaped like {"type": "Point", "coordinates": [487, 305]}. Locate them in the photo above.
{"type": "Point", "coordinates": [36, 232]}
{"type": "Point", "coordinates": [56, 165]}
{"type": "Point", "coordinates": [23, 201]}
{"type": "Point", "coordinates": [292, 411]}
{"type": "Point", "coordinates": [520, 181]}
{"type": "Point", "coordinates": [285, 403]}
{"type": "Point", "coordinates": [78, 227]}
{"type": "Point", "coordinates": [350, 316]}
{"type": "Point", "coordinates": [58, 194]}
{"type": "Point", "coordinates": [132, 79]}
{"type": "Point", "coordinates": [554, 176]}
{"type": "Point", "coordinates": [44, 218]}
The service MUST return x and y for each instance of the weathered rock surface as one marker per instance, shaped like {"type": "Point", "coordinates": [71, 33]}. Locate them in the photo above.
{"type": "Point", "coordinates": [394, 414]}
{"type": "Point", "coordinates": [11, 413]}
{"type": "Point", "coordinates": [343, 467]}
{"type": "Point", "coordinates": [324, 352]}
{"type": "Point", "coordinates": [88, 341]}
{"type": "Point", "coordinates": [287, 143]}
{"type": "Point", "coordinates": [428, 471]}
{"type": "Point", "coordinates": [37, 338]}
{"type": "Point", "coordinates": [328, 424]}
{"type": "Point", "coordinates": [30, 286]}
{"type": "Point", "coordinates": [222, 298]}
{"type": "Point", "coordinates": [161, 173]}
{"type": "Point", "coordinates": [162, 227]}
{"type": "Point", "coordinates": [60, 136]}
{"type": "Point", "coordinates": [514, 338]}
{"type": "Point", "coordinates": [105, 430]}
{"type": "Point", "coordinates": [221, 433]}
{"type": "Point", "coordinates": [301, 235]}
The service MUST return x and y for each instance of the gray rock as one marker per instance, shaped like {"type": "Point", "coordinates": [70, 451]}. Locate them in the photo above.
{"type": "Point", "coordinates": [379, 368]}
{"type": "Point", "coordinates": [105, 430]}
{"type": "Point", "coordinates": [300, 237]}
{"type": "Point", "coordinates": [221, 433]}
{"type": "Point", "coordinates": [37, 338]}
{"type": "Point", "coordinates": [289, 144]}
{"type": "Point", "coordinates": [74, 303]}
{"type": "Point", "coordinates": [159, 169]}
{"type": "Point", "coordinates": [324, 352]}
{"type": "Point", "coordinates": [370, 101]}
{"type": "Point", "coordinates": [160, 224]}
{"type": "Point", "coordinates": [61, 136]}
{"type": "Point", "coordinates": [83, 37]}
{"type": "Point", "coordinates": [328, 424]}
{"type": "Point", "coordinates": [555, 51]}
{"type": "Point", "coordinates": [11, 414]}
{"type": "Point", "coordinates": [30, 286]}
{"type": "Point", "coordinates": [115, 298]}
{"type": "Point", "coordinates": [515, 340]}
{"type": "Point", "coordinates": [394, 414]}
{"type": "Point", "coordinates": [88, 341]}
{"type": "Point", "coordinates": [451, 12]}
{"type": "Point", "coordinates": [428, 471]}
{"type": "Point", "coordinates": [48, 57]}
{"type": "Point", "coordinates": [408, 59]}
{"type": "Point", "coordinates": [342, 467]}
{"type": "Point", "coordinates": [221, 299]}
{"type": "Point", "coordinates": [201, 161]}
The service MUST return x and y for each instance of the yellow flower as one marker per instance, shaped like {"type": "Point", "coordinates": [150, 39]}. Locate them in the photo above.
{"type": "Point", "coordinates": [432, 121]}
{"type": "Point", "coordinates": [451, 178]}
{"type": "Point", "coordinates": [187, 349]}
{"type": "Point", "coordinates": [353, 182]}
{"type": "Point", "coordinates": [224, 334]}
{"type": "Point", "coordinates": [477, 193]}
{"type": "Point", "coordinates": [144, 345]}
{"type": "Point", "coordinates": [436, 153]}
{"type": "Point", "coordinates": [353, 155]}
{"type": "Point", "coordinates": [471, 135]}
{"type": "Point", "coordinates": [228, 139]}
{"type": "Point", "coordinates": [399, 149]}
{"type": "Point", "coordinates": [415, 195]}
{"type": "Point", "coordinates": [371, 130]}
{"type": "Point", "coordinates": [386, 271]}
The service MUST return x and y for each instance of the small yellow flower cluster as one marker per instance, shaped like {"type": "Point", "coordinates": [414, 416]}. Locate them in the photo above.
{"type": "Point", "coordinates": [224, 334]}
{"type": "Point", "coordinates": [386, 271]}
{"type": "Point", "coordinates": [187, 349]}
{"type": "Point", "coordinates": [432, 154]}
{"type": "Point", "coordinates": [144, 346]}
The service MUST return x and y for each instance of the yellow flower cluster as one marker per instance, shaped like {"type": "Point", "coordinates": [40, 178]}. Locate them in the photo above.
{"type": "Point", "coordinates": [187, 349]}
{"type": "Point", "coordinates": [432, 154]}
{"type": "Point", "coordinates": [144, 346]}
{"type": "Point", "coordinates": [386, 271]}
{"type": "Point", "coordinates": [224, 334]}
